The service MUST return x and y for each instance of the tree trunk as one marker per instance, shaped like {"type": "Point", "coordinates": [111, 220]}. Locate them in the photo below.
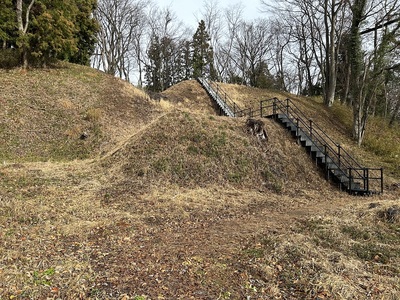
{"type": "Point", "coordinates": [395, 113]}
{"type": "Point", "coordinates": [330, 64]}
{"type": "Point", "coordinates": [23, 28]}
{"type": "Point", "coordinates": [345, 99]}
{"type": "Point", "coordinates": [356, 78]}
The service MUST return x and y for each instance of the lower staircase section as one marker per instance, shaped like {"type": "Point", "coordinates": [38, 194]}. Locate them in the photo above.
{"type": "Point", "coordinates": [336, 163]}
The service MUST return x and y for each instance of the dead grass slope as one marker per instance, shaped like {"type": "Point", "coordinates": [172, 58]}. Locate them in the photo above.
{"type": "Point", "coordinates": [44, 112]}
{"type": "Point", "coordinates": [190, 150]}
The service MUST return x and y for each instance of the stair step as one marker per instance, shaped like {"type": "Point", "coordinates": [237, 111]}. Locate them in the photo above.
{"type": "Point", "coordinates": [326, 160]}
{"type": "Point", "coordinates": [332, 166]}
{"type": "Point", "coordinates": [344, 179]}
{"type": "Point", "coordinates": [315, 148]}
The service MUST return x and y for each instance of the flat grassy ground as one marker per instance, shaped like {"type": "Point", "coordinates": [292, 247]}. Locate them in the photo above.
{"type": "Point", "coordinates": [166, 200]}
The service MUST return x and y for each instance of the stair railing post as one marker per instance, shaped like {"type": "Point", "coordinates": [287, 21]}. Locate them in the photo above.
{"type": "Point", "coordinates": [381, 180]}
{"type": "Point", "coordinates": [287, 107]}
{"type": "Point", "coordinates": [311, 127]}
{"type": "Point", "coordinates": [297, 129]}
{"type": "Point", "coordinates": [225, 99]}
{"type": "Point", "coordinates": [326, 162]}
{"type": "Point", "coordinates": [274, 108]}
{"type": "Point", "coordinates": [339, 155]}
{"type": "Point", "coordinates": [366, 179]}
{"type": "Point", "coordinates": [350, 179]}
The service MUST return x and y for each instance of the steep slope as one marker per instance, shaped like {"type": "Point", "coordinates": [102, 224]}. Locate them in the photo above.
{"type": "Point", "coordinates": [45, 112]}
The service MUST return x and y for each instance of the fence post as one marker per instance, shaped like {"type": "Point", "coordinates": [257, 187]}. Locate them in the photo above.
{"type": "Point", "coordinates": [381, 180]}
{"type": "Point", "coordinates": [366, 178]}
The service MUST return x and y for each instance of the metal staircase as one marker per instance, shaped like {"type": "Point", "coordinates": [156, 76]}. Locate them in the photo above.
{"type": "Point", "coordinates": [337, 164]}
{"type": "Point", "coordinates": [227, 106]}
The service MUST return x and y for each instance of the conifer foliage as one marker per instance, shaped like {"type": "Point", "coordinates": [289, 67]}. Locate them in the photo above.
{"type": "Point", "coordinates": [203, 64]}
{"type": "Point", "coordinates": [171, 61]}
{"type": "Point", "coordinates": [42, 30]}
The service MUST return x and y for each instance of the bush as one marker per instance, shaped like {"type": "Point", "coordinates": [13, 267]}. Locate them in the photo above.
{"type": "Point", "coordinates": [10, 58]}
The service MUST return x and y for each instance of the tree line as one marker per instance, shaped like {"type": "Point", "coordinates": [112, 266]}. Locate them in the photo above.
{"type": "Point", "coordinates": [345, 51]}
{"type": "Point", "coordinates": [342, 50]}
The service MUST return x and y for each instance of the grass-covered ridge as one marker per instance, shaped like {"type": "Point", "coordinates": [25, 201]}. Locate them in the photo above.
{"type": "Point", "coordinates": [44, 112]}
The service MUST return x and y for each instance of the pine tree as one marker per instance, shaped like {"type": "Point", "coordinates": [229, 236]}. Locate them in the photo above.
{"type": "Point", "coordinates": [153, 69]}
{"type": "Point", "coordinates": [203, 56]}
{"type": "Point", "coordinates": [86, 32]}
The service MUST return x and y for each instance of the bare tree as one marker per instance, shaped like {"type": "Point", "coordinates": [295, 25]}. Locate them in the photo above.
{"type": "Point", "coordinates": [251, 48]}
{"type": "Point", "coordinates": [369, 62]}
{"type": "Point", "coordinates": [224, 56]}
{"type": "Point", "coordinates": [317, 26]}
{"type": "Point", "coordinates": [117, 38]}
{"type": "Point", "coordinates": [211, 15]}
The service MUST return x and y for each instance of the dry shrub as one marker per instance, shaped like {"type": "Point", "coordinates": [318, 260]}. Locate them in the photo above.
{"type": "Point", "coordinates": [166, 105]}
{"type": "Point", "coordinates": [66, 104]}
{"type": "Point", "coordinates": [93, 114]}
{"type": "Point", "coordinates": [74, 132]}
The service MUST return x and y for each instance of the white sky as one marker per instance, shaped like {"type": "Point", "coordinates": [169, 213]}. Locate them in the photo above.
{"type": "Point", "coordinates": [187, 10]}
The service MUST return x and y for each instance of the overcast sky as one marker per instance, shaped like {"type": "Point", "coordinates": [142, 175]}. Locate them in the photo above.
{"type": "Point", "coordinates": [188, 10]}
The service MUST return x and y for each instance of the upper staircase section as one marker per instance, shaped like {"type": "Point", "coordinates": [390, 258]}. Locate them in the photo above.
{"type": "Point", "coordinates": [338, 165]}
{"type": "Point", "coordinates": [227, 106]}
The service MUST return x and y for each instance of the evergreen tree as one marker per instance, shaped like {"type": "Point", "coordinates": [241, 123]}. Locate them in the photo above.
{"type": "Point", "coordinates": [203, 56]}
{"type": "Point", "coordinates": [167, 63]}
{"type": "Point", "coordinates": [186, 58]}
{"type": "Point", "coordinates": [86, 32]}
{"type": "Point", "coordinates": [7, 24]}
{"type": "Point", "coordinates": [153, 69]}
{"type": "Point", "coordinates": [52, 33]}
{"type": "Point", "coordinates": [49, 29]}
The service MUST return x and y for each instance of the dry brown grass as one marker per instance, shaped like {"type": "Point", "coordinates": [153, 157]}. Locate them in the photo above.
{"type": "Point", "coordinates": [41, 110]}
{"type": "Point", "coordinates": [182, 204]}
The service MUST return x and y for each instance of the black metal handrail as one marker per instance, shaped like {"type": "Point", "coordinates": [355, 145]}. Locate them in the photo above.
{"type": "Point", "coordinates": [224, 96]}
{"type": "Point", "coordinates": [339, 156]}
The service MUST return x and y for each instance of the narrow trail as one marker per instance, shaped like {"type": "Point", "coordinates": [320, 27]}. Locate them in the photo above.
{"type": "Point", "coordinates": [126, 139]}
